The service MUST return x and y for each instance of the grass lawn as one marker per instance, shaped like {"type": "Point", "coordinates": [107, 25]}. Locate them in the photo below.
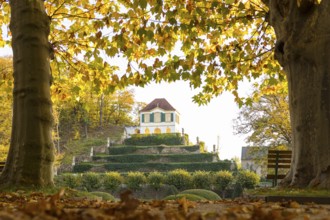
{"type": "Point", "coordinates": [277, 191]}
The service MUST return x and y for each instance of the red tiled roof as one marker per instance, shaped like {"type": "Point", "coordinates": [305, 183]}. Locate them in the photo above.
{"type": "Point", "coordinates": [160, 103]}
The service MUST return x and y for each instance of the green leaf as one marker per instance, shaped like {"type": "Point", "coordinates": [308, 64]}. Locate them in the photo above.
{"type": "Point", "coordinates": [141, 32]}
{"type": "Point", "coordinates": [111, 51]}
{"type": "Point", "coordinates": [230, 1]}
{"type": "Point", "coordinates": [150, 35]}
{"type": "Point", "coordinates": [143, 4]}
{"type": "Point", "coordinates": [75, 89]}
{"type": "Point", "coordinates": [172, 21]}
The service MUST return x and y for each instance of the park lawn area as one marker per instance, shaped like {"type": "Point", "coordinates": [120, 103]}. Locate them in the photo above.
{"type": "Point", "coordinates": [277, 191]}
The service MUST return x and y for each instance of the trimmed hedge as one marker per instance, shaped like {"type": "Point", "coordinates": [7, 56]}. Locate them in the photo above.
{"type": "Point", "coordinates": [202, 180]}
{"type": "Point", "coordinates": [112, 180]}
{"type": "Point", "coordinates": [222, 179]}
{"type": "Point", "coordinates": [157, 149]}
{"type": "Point", "coordinates": [155, 139]}
{"type": "Point", "coordinates": [206, 194]}
{"type": "Point", "coordinates": [164, 167]}
{"type": "Point", "coordinates": [247, 179]}
{"type": "Point", "coordinates": [179, 178]}
{"type": "Point", "coordinates": [91, 181]}
{"type": "Point", "coordinates": [70, 180]}
{"type": "Point", "coordinates": [143, 158]}
{"type": "Point", "coordinates": [150, 167]}
{"type": "Point", "coordinates": [224, 182]}
{"type": "Point", "coordinates": [135, 180]}
{"type": "Point", "coordinates": [190, 197]}
{"type": "Point", "coordinates": [82, 167]}
{"type": "Point", "coordinates": [155, 180]}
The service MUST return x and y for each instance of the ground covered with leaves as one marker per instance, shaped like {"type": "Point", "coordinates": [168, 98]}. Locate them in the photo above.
{"type": "Point", "coordinates": [62, 205]}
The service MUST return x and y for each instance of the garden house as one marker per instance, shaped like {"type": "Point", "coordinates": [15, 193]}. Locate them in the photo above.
{"type": "Point", "coordinates": [159, 116]}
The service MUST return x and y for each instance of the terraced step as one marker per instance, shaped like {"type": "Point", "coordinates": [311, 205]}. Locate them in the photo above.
{"type": "Point", "coordinates": [160, 158]}
{"type": "Point", "coordinates": [150, 167]}
{"type": "Point", "coordinates": [160, 149]}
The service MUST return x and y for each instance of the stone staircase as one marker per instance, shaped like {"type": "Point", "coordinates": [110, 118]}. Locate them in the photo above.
{"type": "Point", "coordinates": [161, 158]}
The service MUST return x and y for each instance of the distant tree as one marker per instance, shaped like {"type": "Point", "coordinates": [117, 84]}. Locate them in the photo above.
{"type": "Point", "coordinates": [87, 109]}
{"type": "Point", "coordinates": [237, 161]}
{"type": "Point", "coordinates": [266, 121]}
{"type": "Point", "coordinates": [138, 106]}
{"type": "Point", "coordinates": [202, 146]}
{"type": "Point", "coordinates": [6, 98]}
{"type": "Point", "coordinates": [121, 107]}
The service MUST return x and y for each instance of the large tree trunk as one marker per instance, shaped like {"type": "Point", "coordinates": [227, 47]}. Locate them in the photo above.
{"type": "Point", "coordinates": [31, 153]}
{"type": "Point", "coordinates": [303, 49]}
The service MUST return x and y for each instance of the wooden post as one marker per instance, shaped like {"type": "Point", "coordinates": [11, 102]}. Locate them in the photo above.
{"type": "Point", "coordinates": [73, 160]}
{"type": "Point", "coordinates": [92, 152]}
{"type": "Point", "coordinates": [276, 168]}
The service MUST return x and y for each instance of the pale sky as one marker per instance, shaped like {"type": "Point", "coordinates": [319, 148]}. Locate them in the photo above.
{"type": "Point", "coordinates": [206, 122]}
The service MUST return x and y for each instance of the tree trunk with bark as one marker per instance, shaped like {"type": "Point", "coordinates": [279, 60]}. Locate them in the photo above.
{"type": "Point", "coordinates": [303, 49]}
{"type": "Point", "coordinates": [31, 153]}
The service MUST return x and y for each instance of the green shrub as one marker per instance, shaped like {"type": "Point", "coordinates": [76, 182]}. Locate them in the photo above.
{"type": "Point", "coordinates": [201, 180]}
{"type": "Point", "coordinates": [202, 147]}
{"type": "Point", "coordinates": [166, 167]}
{"type": "Point", "coordinates": [190, 197]}
{"type": "Point", "coordinates": [206, 194]}
{"type": "Point", "coordinates": [80, 168]}
{"type": "Point", "coordinates": [112, 180]}
{"type": "Point", "coordinates": [179, 178]}
{"type": "Point", "coordinates": [91, 181]}
{"type": "Point", "coordinates": [120, 150]}
{"type": "Point", "coordinates": [155, 180]}
{"type": "Point", "coordinates": [69, 180]}
{"type": "Point", "coordinates": [155, 139]}
{"type": "Point", "coordinates": [144, 158]}
{"type": "Point", "coordinates": [134, 180]}
{"type": "Point", "coordinates": [237, 190]}
{"type": "Point", "coordinates": [222, 179]}
{"type": "Point", "coordinates": [105, 196]}
{"type": "Point", "coordinates": [58, 180]}
{"type": "Point", "coordinates": [247, 179]}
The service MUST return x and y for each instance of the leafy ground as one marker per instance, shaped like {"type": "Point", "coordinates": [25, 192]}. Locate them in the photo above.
{"type": "Point", "coordinates": [65, 205]}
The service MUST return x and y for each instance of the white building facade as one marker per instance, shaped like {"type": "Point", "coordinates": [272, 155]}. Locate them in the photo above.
{"type": "Point", "coordinates": [157, 117]}
{"type": "Point", "coordinates": [251, 159]}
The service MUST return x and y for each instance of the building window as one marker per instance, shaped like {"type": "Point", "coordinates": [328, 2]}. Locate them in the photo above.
{"type": "Point", "coordinates": [162, 115]}
{"type": "Point", "coordinates": [157, 117]}
{"type": "Point", "coordinates": [152, 117]}
{"type": "Point", "coordinates": [157, 131]}
{"type": "Point", "coordinates": [168, 117]}
{"type": "Point", "coordinates": [146, 118]}
{"type": "Point", "coordinates": [147, 131]}
{"type": "Point", "coordinates": [177, 119]}
{"type": "Point", "coordinates": [168, 130]}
